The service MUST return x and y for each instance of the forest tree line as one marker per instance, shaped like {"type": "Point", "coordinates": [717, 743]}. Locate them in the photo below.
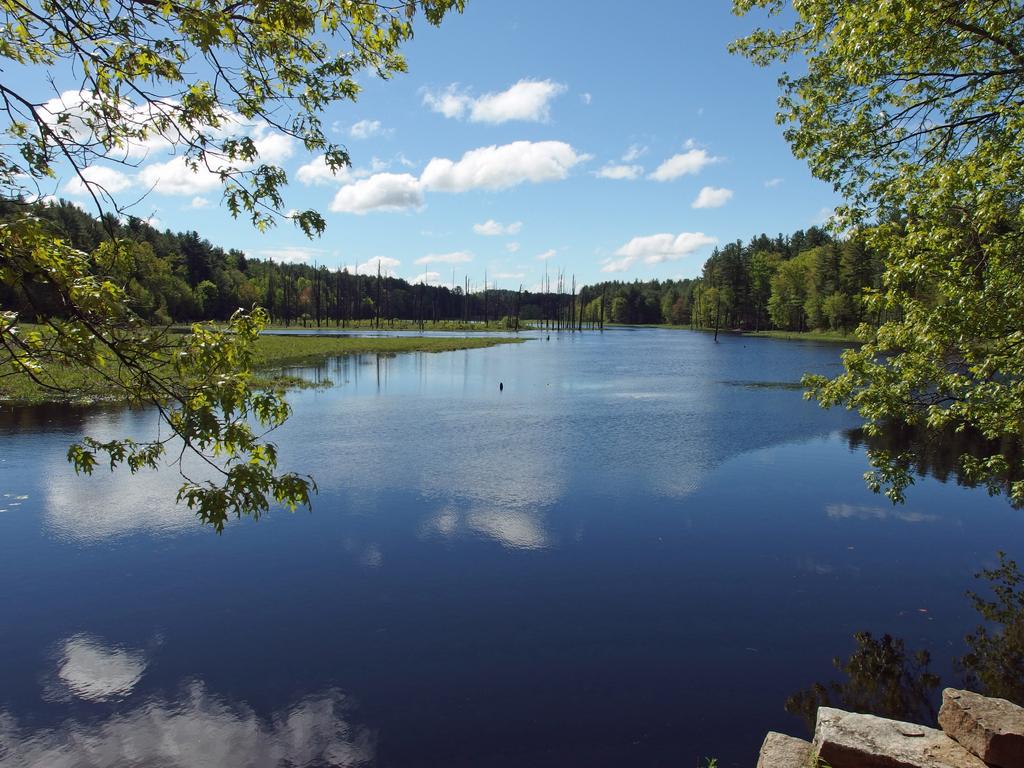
{"type": "Point", "coordinates": [808, 280]}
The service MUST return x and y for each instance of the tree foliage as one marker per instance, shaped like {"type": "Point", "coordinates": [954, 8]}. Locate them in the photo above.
{"type": "Point", "coordinates": [913, 110]}
{"type": "Point", "coordinates": [204, 80]}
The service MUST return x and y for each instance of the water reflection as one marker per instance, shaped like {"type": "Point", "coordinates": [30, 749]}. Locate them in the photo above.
{"type": "Point", "coordinates": [863, 512]}
{"type": "Point", "coordinates": [936, 453]}
{"type": "Point", "coordinates": [104, 505]}
{"type": "Point", "coordinates": [479, 563]}
{"type": "Point", "coordinates": [197, 729]}
{"type": "Point", "coordinates": [881, 677]}
{"type": "Point", "coordinates": [512, 528]}
{"type": "Point", "coordinates": [994, 662]}
{"type": "Point", "coordinates": [95, 671]}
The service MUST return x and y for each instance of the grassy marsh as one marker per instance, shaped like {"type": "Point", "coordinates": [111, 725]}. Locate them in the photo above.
{"type": "Point", "coordinates": [81, 385]}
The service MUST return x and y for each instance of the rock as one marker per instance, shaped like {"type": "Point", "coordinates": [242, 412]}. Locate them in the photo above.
{"type": "Point", "coordinates": [992, 729]}
{"type": "Point", "coordinates": [847, 740]}
{"type": "Point", "coordinates": [781, 751]}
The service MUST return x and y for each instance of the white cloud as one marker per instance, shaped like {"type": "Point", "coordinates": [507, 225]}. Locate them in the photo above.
{"type": "Point", "coordinates": [712, 197]}
{"type": "Point", "coordinates": [617, 265]}
{"type": "Point", "coordinates": [550, 253]}
{"type": "Point", "coordinates": [73, 114]}
{"type": "Point", "coordinates": [273, 146]}
{"type": "Point", "coordinates": [174, 177]}
{"type": "Point", "coordinates": [512, 247]}
{"type": "Point", "coordinates": [317, 172]}
{"type": "Point", "coordinates": [426, 278]}
{"type": "Point", "coordinates": [380, 192]}
{"type": "Point", "coordinates": [586, 98]}
{"type": "Point", "coordinates": [690, 162]}
{"type": "Point", "coordinates": [772, 183]}
{"type": "Point", "coordinates": [199, 202]}
{"type": "Point", "coordinates": [493, 167]}
{"type": "Point", "coordinates": [492, 228]}
{"type": "Point", "coordinates": [290, 254]}
{"type": "Point", "coordinates": [500, 167]}
{"type": "Point", "coordinates": [364, 129]}
{"type": "Point", "coordinates": [69, 114]}
{"type": "Point", "coordinates": [101, 179]}
{"type": "Point", "coordinates": [655, 249]}
{"type": "Point", "coordinates": [369, 267]}
{"type": "Point", "coordinates": [527, 100]}
{"type": "Point", "coordinates": [635, 152]}
{"type": "Point", "coordinates": [489, 228]}
{"type": "Point", "coordinates": [157, 124]}
{"type": "Point", "coordinates": [611, 171]}
{"type": "Point", "coordinates": [509, 275]}
{"type": "Point", "coordinates": [449, 102]}
{"type": "Point", "coordinates": [456, 257]}
{"type": "Point", "coordinates": [80, 116]}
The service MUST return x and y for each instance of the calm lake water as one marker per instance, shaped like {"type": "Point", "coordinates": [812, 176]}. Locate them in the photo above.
{"type": "Point", "coordinates": [630, 556]}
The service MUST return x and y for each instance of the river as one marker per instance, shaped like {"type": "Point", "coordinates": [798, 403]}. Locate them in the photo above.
{"type": "Point", "coordinates": [630, 554]}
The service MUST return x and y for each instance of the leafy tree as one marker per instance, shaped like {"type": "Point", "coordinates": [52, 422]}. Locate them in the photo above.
{"type": "Point", "coordinates": [203, 78]}
{"type": "Point", "coordinates": [619, 310]}
{"type": "Point", "coordinates": [763, 266]}
{"type": "Point", "coordinates": [789, 294]}
{"type": "Point", "coordinates": [837, 308]}
{"type": "Point", "coordinates": [206, 294]}
{"type": "Point", "coordinates": [912, 109]}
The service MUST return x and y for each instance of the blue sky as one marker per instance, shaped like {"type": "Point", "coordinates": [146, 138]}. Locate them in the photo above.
{"type": "Point", "coordinates": [608, 144]}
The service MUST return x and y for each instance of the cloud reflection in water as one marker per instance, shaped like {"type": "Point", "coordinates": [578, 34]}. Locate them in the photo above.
{"type": "Point", "coordinates": [860, 512]}
{"type": "Point", "coordinates": [512, 528]}
{"type": "Point", "coordinates": [199, 729]}
{"type": "Point", "coordinates": [91, 670]}
{"type": "Point", "coordinates": [196, 729]}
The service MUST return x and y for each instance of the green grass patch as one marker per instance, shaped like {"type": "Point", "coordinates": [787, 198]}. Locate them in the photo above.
{"type": "Point", "coordinates": [668, 326]}
{"type": "Point", "coordinates": [82, 386]}
{"type": "Point", "coordinates": [837, 337]}
{"type": "Point", "coordinates": [765, 384]}
{"type": "Point", "coordinates": [496, 326]}
{"type": "Point", "coordinates": [294, 349]}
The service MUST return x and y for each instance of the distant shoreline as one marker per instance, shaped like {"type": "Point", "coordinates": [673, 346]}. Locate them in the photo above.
{"type": "Point", "coordinates": [832, 337]}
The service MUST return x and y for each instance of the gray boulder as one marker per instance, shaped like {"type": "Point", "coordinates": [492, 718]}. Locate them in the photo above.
{"type": "Point", "coordinates": [848, 740]}
{"type": "Point", "coordinates": [992, 729]}
{"type": "Point", "coordinates": [781, 751]}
